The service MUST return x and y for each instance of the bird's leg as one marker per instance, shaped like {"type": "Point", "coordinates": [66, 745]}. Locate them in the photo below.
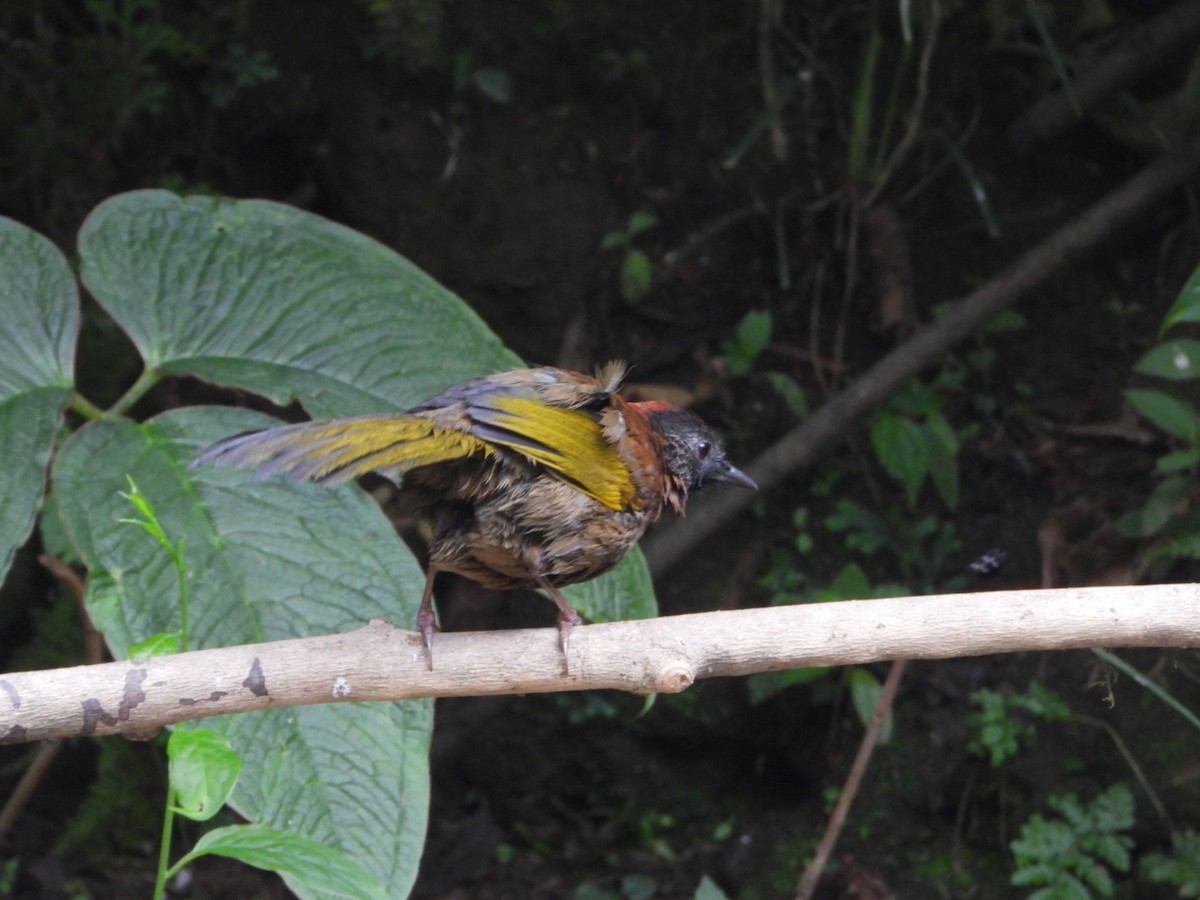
{"type": "Point", "coordinates": [427, 616]}
{"type": "Point", "coordinates": [568, 617]}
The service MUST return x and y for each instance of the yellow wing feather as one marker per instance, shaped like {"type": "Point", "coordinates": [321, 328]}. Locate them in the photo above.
{"type": "Point", "coordinates": [569, 442]}
{"type": "Point", "coordinates": [340, 449]}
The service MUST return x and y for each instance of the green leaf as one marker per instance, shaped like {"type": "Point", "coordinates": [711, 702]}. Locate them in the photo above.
{"type": "Point", "coordinates": [748, 342]}
{"type": "Point", "coordinates": [1006, 320]}
{"type": "Point", "coordinates": [1043, 702]}
{"type": "Point", "coordinates": [495, 84]}
{"type": "Point", "coordinates": [708, 889]}
{"type": "Point", "coordinates": [762, 686]}
{"type": "Point", "coordinates": [943, 457]}
{"type": "Point", "coordinates": [635, 276]}
{"type": "Point", "coordinates": [1176, 461]}
{"type": "Point", "coordinates": [1187, 307]}
{"type": "Point", "coordinates": [790, 391]}
{"type": "Point", "coordinates": [1071, 855]}
{"type": "Point", "coordinates": [864, 692]}
{"type": "Point", "coordinates": [309, 868]}
{"type": "Point", "coordinates": [754, 331]}
{"type": "Point", "coordinates": [865, 531]}
{"type": "Point", "coordinates": [1164, 503]}
{"type": "Point", "coordinates": [1181, 868]}
{"type": "Point", "coordinates": [998, 735]}
{"type": "Point", "coordinates": [271, 560]}
{"type": "Point", "coordinates": [1178, 360]}
{"type": "Point", "coordinates": [1174, 416]}
{"type": "Point", "coordinates": [902, 447]}
{"type": "Point", "coordinates": [161, 644]}
{"type": "Point", "coordinates": [203, 769]}
{"type": "Point", "coordinates": [39, 309]}
{"type": "Point", "coordinates": [627, 592]}
{"type": "Point", "coordinates": [261, 296]}
{"type": "Point", "coordinates": [640, 221]}
{"type": "Point", "coordinates": [613, 239]}
{"type": "Point", "coordinates": [850, 583]}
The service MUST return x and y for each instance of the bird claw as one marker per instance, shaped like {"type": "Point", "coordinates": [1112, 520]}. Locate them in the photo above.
{"type": "Point", "coordinates": [566, 624]}
{"type": "Point", "coordinates": [427, 625]}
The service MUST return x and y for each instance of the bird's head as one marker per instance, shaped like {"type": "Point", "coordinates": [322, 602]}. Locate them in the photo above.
{"type": "Point", "coordinates": [692, 456]}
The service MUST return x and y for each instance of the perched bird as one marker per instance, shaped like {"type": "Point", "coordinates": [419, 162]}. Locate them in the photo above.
{"type": "Point", "coordinates": [533, 478]}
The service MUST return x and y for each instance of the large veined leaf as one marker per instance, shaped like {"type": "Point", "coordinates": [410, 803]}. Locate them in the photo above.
{"type": "Point", "coordinates": [268, 298]}
{"type": "Point", "coordinates": [39, 312]}
{"type": "Point", "coordinates": [265, 297]}
{"type": "Point", "coordinates": [269, 561]}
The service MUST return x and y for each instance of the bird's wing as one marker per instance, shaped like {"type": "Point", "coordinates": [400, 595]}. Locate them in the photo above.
{"type": "Point", "coordinates": [549, 416]}
{"type": "Point", "coordinates": [570, 443]}
{"type": "Point", "coordinates": [335, 450]}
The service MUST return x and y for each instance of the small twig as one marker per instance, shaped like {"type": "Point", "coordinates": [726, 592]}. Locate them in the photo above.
{"type": "Point", "coordinates": [28, 783]}
{"type": "Point", "coordinates": [837, 819]}
{"type": "Point", "coordinates": [768, 18]}
{"type": "Point", "coordinates": [916, 114]}
{"type": "Point", "coordinates": [863, 204]}
{"type": "Point", "coordinates": [93, 640]}
{"type": "Point", "coordinates": [1142, 49]}
{"type": "Point", "coordinates": [1123, 749]}
{"type": "Point", "coordinates": [697, 239]}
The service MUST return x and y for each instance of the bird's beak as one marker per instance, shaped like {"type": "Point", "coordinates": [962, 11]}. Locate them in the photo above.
{"type": "Point", "coordinates": [734, 475]}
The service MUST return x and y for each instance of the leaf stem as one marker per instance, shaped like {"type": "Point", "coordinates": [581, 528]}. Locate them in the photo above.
{"type": "Point", "coordinates": [137, 390]}
{"type": "Point", "coordinates": [87, 408]}
{"type": "Point", "coordinates": [164, 846]}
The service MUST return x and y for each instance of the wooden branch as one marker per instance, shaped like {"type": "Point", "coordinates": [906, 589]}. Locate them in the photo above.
{"type": "Point", "coordinates": [670, 542]}
{"type": "Point", "coordinates": [383, 662]}
{"type": "Point", "coordinates": [1142, 49]}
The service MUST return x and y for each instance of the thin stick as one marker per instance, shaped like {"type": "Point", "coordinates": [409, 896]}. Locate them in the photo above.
{"type": "Point", "coordinates": [1140, 50]}
{"type": "Point", "coordinates": [870, 739]}
{"type": "Point", "coordinates": [1163, 816]}
{"type": "Point", "coordinates": [30, 779]}
{"type": "Point", "coordinates": [916, 114]}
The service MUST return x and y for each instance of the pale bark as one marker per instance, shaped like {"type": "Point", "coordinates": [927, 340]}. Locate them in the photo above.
{"type": "Point", "coordinates": [383, 662]}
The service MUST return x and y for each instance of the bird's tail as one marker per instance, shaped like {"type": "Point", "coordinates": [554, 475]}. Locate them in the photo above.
{"type": "Point", "coordinates": [335, 450]}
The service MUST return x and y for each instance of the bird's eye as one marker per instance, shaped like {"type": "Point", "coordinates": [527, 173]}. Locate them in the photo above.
{"type": "Point", "coordinates": [703, 449]}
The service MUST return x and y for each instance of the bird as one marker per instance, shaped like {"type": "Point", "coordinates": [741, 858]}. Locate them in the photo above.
{"type": "Point", "coordinates": [533, 478]}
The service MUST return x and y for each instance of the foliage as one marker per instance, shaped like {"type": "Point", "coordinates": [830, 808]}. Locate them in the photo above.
{"type": "Point", "coordinates": [1169, 520]}
{"type": "Point", "coordinates": [208, 288]}
{"type": "Point", "coordinates": [636, 272]}
{"type": "Point", "coordinates": [163, 642]}
{"type": "Point", "coordinates": [748, 342]}
{"type": "Point", "coordinates": [919, 547]}
{"type": "Point", "coordinates": [1069, 857]}
{"type": "Point", "coordinates": [1000, 731]}
{"type": "Point", "coordinates": [1180, 868]}
{"type": "Point", "coordinates": [94, 79]}
{"type": "Point", "coordinates": [865, 690]}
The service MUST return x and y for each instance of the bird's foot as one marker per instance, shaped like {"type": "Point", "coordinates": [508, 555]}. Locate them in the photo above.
{"type": "Point", "coordinates": [567, 620]}
{"type": "Point", "coordinates": [427, 625]}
